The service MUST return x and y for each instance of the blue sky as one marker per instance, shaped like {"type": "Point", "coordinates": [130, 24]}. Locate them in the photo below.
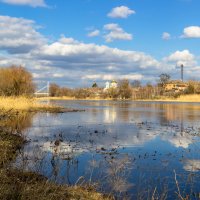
{"type": "Point", "coordinates": [76, 42]}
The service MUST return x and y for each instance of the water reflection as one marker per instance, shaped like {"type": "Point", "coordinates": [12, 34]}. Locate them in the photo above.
{"type": "Point", "coordinates": [192, 165]}
{"type": "Point", "coordinates": [126, 148]}
{"type": "Point", "coordinates": [17, 122]}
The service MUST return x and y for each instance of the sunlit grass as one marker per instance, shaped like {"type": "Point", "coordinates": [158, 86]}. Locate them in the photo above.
{"type": "Point", "coordinates": [25, 104]}
{"type": "Point", "coordinates": [183, 98]}
{"type": "Point", "coordinates": [190, 98]}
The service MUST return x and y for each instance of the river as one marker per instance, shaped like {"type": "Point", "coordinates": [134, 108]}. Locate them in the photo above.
{"type": "Point", "coordinates": [137, 150]}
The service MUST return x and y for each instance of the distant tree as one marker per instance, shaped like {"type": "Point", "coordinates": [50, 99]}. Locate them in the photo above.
{"type": "Point", "coordinates": [149, 85]}
{"type": "Point", "coordinates": [164, 79]}
{"type": "Point", "coordinates": [112, 93]}
{"type": "Point", "coordinates": [191, 88]}
{"type": "Point", "coordinates": [15, 81]}
{"type": "Point", "coordinates": [94, 85]}
{"type": "Point", "coordinates": [54, 90]}
{"type": "Point", "coordinates": [64, 91]}
{"type": "Point", "coordinates": [136, 84]}
{"type": "Point", "coordinates": [57, 91]}
{"type": "Point", "coordinates": [125, 91]}
{"type": "Point", "coordinates": [82, 93]}
{"type": "Point", "coordinates": [197, 90]}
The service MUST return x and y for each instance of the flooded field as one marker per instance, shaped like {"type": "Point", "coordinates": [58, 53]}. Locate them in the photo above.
{"type": "Point", "coordinates": [134, 150]}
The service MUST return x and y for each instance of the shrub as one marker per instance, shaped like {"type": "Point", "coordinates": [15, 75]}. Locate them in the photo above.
{"type": "Point", "coordinates": [16, 81]}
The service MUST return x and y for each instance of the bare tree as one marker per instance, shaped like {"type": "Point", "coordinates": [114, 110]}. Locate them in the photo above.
{"type": "Point", "coordinates": [15, 81]}
{"type": "Point", "coordinates": [125, 91]}
{"type": "Point", "coordinates": [164, 79]}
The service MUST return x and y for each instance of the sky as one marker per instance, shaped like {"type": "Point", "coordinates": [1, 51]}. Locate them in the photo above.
{"type": "Point", "coordinates": [77, 42]}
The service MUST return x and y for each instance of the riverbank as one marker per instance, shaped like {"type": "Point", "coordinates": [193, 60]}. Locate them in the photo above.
{"type": "Point", "coordinates": [182, 99]}
{"type": "Point", "coordinates": [30, 105]}
{"type": "Point", "coordinates": [193, 98]}
{"type": "Point", "coordinates": [17, 184]}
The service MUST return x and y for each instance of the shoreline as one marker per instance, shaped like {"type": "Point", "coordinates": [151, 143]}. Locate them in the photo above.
{"type": "Point", "coordinates": [182, 99]}
{"type": "Point", "coordinates": [25, 104]}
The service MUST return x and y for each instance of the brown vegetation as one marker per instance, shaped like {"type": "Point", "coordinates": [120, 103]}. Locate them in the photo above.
{"type": "Point", "coordinates": [27, 104]}
{"type": "Point", "coordinates": [16, 81]}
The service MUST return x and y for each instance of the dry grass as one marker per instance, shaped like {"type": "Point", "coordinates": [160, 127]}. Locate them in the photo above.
{"type": "Point", "coordinates": [26, 104]}
{"type": "Point", "coordinates": [27, 186]}
{"type": "Point", "coordinates": [72, 98]}
{"type": "Point", "coordinates": [189, 98]}
{"type": "Point", "coordinates": [183, 98]}
{"type": "Point", "coordinates": [56, 98]}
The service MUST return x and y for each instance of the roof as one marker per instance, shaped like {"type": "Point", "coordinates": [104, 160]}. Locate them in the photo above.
{"type": "Point", "coordinates": [113, 81]}
{"type": "Point", "coordinates": [176, 82]}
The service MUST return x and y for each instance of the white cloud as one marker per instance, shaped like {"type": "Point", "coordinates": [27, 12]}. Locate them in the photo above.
{"type": "Point", "coordinates": [78, 54]}
{"type": "Point", "coordinates": [94, 33]}
{"type": "Point", "coordinates": [115, 32]}
{"type": "Point", "coordinates": [192, 165]}
{"type": "Point", "coordinates": [111, 77]}
{"type": "Point", "coordinates": [68, 60]}
{"type": "Point", "coordinates": [178, 140]}
{"type": "Point", "coordinates": [19, 35]}
{"type": "Point", "coordinates": [182, 57]}
{"type": "Point", "coordinates": [121, 12]}
{"type": "Point", "coordinates": [32, 3]}
{"type": "Point", "coordinates": [191, 32]}
{"type": "Point", "coordinates": [166, 36]}
{"type": "Point", "coordinates": [64, 40]}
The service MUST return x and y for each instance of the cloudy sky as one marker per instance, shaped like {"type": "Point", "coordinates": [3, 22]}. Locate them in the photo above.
{"type": "Point", "coordinates": [77, 42]}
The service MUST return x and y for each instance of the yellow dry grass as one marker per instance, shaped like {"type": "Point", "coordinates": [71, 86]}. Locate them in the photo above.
{"type": "Point", "coordinates": [56, 98]}
{"type": "Point", "coordinates": [192, 98]}
{"type": "Point", "coordinates": [182, 98]}
{"type": "Point", "coordinates": [24, 104]}
{"type": "Point", "coordinates": [189, 98]}
{"type": "Point", "coordinates": [73, 98]}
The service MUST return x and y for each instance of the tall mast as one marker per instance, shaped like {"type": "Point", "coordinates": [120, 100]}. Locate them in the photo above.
{"type": "Point", "coordinates": [182, 66]}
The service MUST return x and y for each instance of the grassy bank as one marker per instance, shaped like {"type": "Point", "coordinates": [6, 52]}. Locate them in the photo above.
{"type": "Point", "coordinates": [192, 98]}
{"type": "Point", "coordinates": [16, 184]}
{"type": "Point", "coordinates": [71, 98]}
{"type": "Point", "coordinates": [29, 105]}
{"type": "Point", "coordinates": [183, 98]}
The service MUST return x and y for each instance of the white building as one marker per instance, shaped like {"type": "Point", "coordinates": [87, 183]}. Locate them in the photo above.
{"type": "Point", "coordinates": [112, 84]}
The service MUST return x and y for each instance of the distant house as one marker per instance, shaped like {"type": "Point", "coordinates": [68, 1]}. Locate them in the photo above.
{"type": "Point", "coordinates": [176, 86]}
{"type": "Point", "coordinates": [112, 84]}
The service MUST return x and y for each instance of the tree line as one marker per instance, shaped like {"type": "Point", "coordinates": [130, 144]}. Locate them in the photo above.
{"type": "Point", "coordinates": [123, 91]}
{"type": "Point", "coordinates": [17, 81]}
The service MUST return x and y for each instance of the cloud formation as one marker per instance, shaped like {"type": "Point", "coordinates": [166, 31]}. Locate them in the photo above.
{"type": "Point", "coordinates": [166, 36]}
{"type": "Point", "coordinates": [94, 33]}
{"type": "Point", "coordinates": [182, 57]}
{"type": "Point", "coordinates": [121, 12]}
{"type": "Point", "coordinates": [32, 3]}
{"type": "Point", "coordinates": [115, 32]}
{"type": "Point", "coordinates": [71, 62]}
{"type": "Point", "coordinates": [191, 32]}
{"type": "Point", "coordinates": [19, 35]}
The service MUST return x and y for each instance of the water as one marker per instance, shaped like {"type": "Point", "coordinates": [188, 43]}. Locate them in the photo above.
{"type": "Point", "coordinates": [130, 149]}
